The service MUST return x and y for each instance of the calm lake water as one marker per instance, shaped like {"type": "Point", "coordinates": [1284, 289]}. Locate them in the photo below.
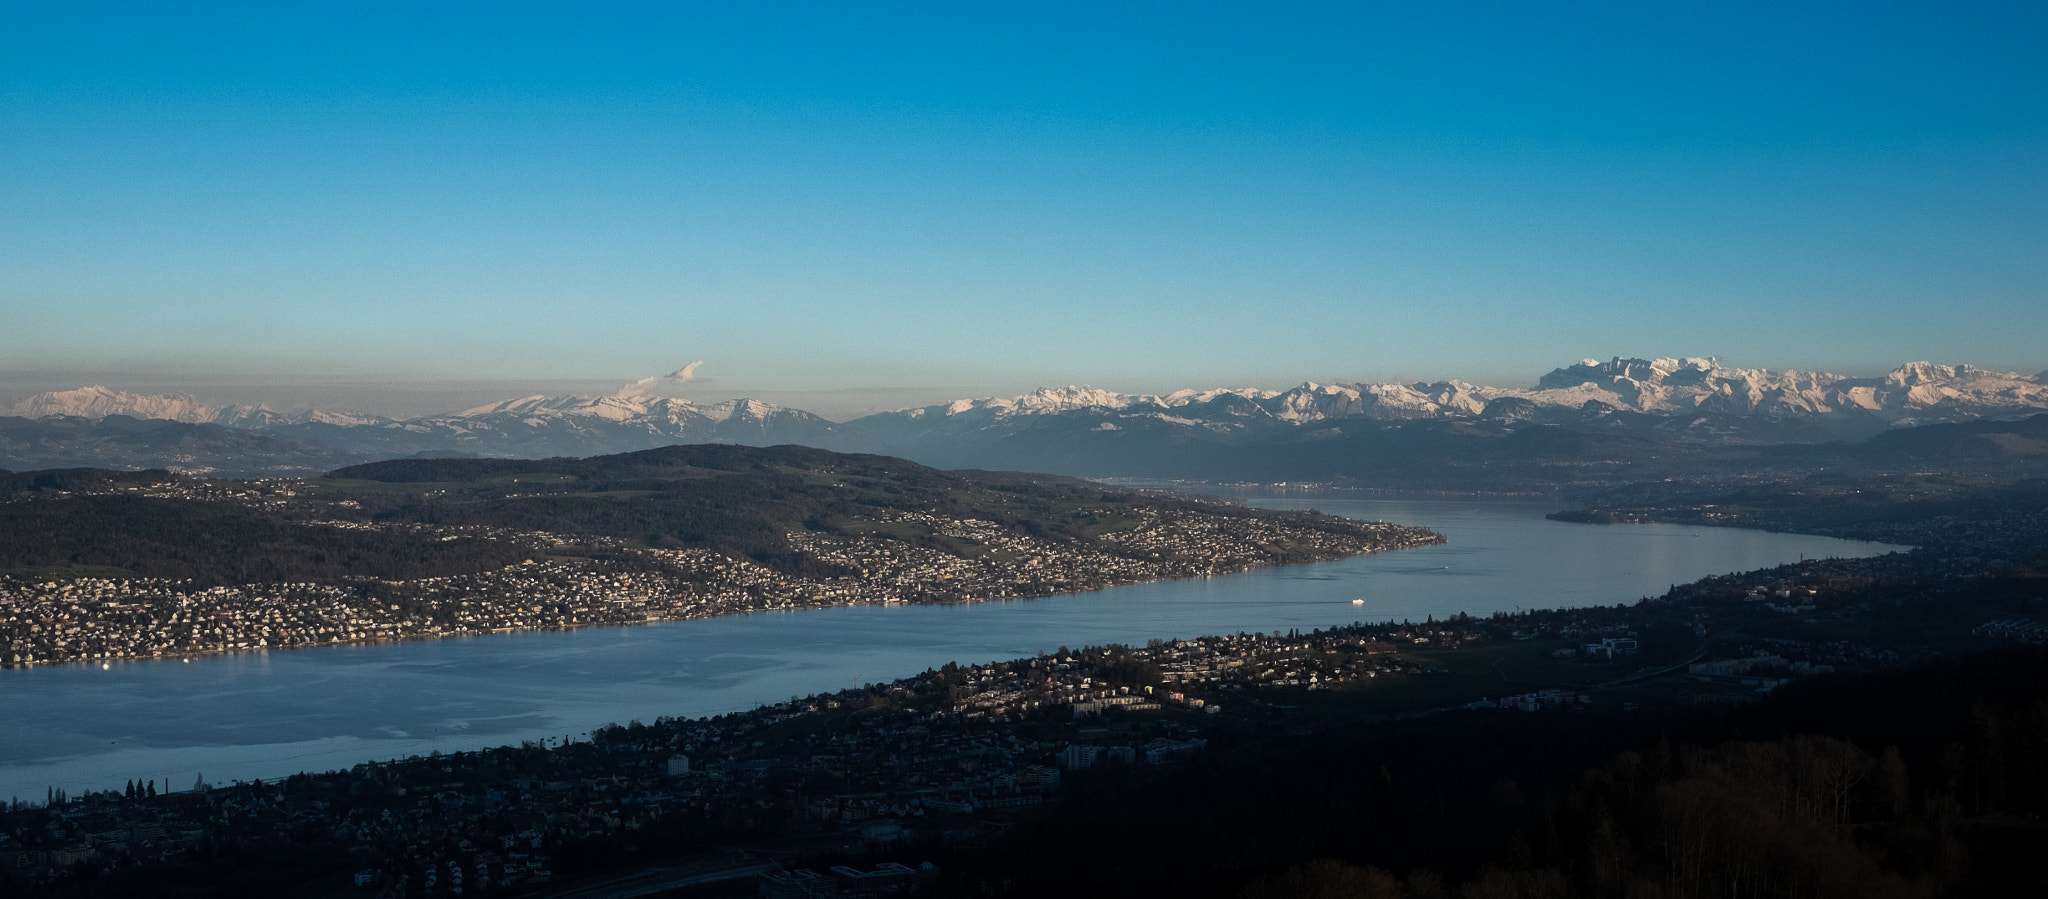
{"type": "Point", "coordinates": [271, 714]}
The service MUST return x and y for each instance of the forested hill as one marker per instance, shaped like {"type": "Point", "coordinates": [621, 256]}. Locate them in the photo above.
{"type": "Point", "coordinates": [736, 499]}
{"type": "Point", "coordinates": [686, 461]}
{"type": "Point", "coordinates": [739, 500]}
{"type": "Point", "coordinates": [437, 517]}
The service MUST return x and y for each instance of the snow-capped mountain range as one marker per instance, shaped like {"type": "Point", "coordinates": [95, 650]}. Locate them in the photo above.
{"type": "Point", "coordinates": [96, 402]}
{"type": "Point", "coordinates": [1412, 432]}
{"type": "Point", "coordinates": [530, 427]}
{"type": "Point", "coordinates": [1910, 394]}
{"type": "Point", "coordinates": [1062, 429]}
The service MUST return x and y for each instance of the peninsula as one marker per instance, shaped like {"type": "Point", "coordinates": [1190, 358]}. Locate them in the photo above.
{"type": "Point", "coordinates": [102, 565]}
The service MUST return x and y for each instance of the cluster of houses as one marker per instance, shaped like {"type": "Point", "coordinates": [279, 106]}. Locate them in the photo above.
{"type": "Point", "coordinates": [97, 619]}
{"type": "Point", "coordinates": [2024, 630]}
{"type": "Point", "coordinates": [1537, 701]}
{"type": "Point", "coordinates": [1004, 564]}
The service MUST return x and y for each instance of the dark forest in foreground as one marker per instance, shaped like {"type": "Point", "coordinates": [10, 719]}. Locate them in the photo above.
{"type": "Point", "coordinates": [1925, 782]}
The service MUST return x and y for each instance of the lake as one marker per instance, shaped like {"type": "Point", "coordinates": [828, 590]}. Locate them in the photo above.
{"type": "Point", "coordinates": [269, 714]}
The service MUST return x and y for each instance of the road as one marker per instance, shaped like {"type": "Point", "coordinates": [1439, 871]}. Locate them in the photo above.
{"type": "Point", "coordinates": [660, 880]}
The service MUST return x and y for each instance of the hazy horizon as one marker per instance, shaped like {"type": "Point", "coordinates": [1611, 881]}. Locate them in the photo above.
{"type": "Point", "coordinates": [405, 397]}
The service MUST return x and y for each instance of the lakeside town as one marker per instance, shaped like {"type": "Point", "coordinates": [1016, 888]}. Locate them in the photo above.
{"type": "Point", "coordinates": [959, 755]}
{"type": "Point", "coordinates": [570, 581]}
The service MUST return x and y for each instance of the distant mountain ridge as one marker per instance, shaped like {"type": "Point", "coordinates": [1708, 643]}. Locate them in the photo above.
{"type": "Point", "coordinates": [1084, 430]}
{"type": "Point", "coordinates": [1080, 430]}
{"type": "Point", "coordinates": [528, 427]}
{"type": "Point", "coordinates": [96, 402]}
{"type": "Point", "coordinates": [542, 426]}
{"type": "Point", "coordinates": [1910, 394]}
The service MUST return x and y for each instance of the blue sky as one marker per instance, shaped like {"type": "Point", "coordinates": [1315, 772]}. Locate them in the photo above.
{"type": "Point", "coordinates": [952, 198]}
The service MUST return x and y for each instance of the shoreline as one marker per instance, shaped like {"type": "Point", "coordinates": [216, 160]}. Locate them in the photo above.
{"type": "Point", "coordinates": [1585, 515]}
{"type": "Point", "coordinates": [187, 656]}
{"type": "Point", "coordinates": [1102, 613]}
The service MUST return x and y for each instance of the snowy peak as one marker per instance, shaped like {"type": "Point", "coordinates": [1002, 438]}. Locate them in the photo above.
{"type": "Point", "coordinates": [751, 411]}
{"type": "Point", "coordinates": [1187, 397]}
{"type": "Point", "coordinates": [1043, 401]}
{"type": "Point", "coordinates": [340, 419]}
{"type": "Point", "coordinates": [96, 402]}
{"type": "Point", "coordinates": [1593, 371]}
{"type": "Point", "coordinates": [1676, 386]}
{"type": "Point", "coordinates": [1913, 374]}
{"type": "Point", "coordinates": [1681, 387]}
{"type": "Point", "coordinates": [540, 404]}
{"type": "Point", "coordinates": [627, 409]}
{"type": "Point", "coordinates": [1053, 400]}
